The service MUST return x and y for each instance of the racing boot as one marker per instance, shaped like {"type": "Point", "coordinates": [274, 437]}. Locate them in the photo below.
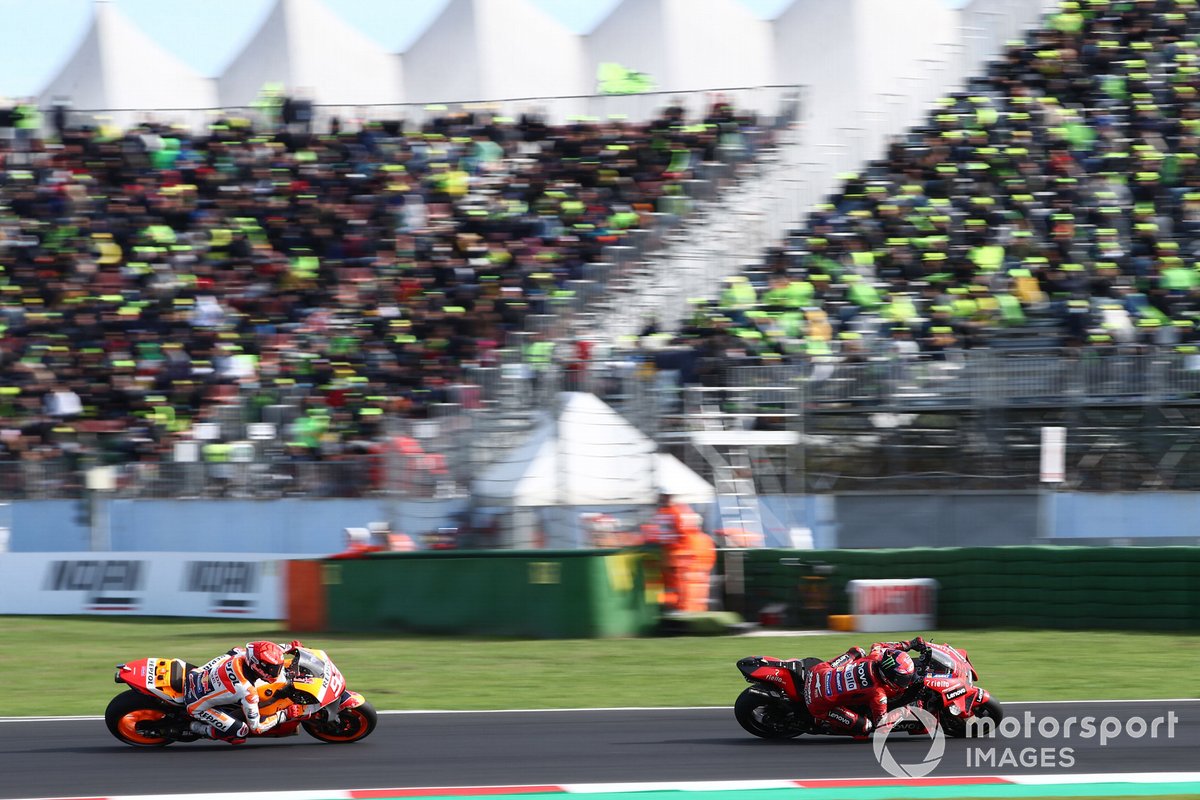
{"type": "Point", "coordinates": [919, 728]}
{"type": "Point", "coordinates": [235, 736]}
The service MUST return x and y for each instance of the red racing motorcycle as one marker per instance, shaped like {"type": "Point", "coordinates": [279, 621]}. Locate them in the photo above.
{"type": "Point", "coordinates": [773, 707]}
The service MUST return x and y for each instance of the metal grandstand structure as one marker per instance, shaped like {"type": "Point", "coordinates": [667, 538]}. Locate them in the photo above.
{"type": "Point", "coordinates": [1132, 419]}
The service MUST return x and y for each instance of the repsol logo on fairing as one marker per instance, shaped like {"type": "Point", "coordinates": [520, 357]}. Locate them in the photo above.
{"type": "Point", "coordinates": [221, 577]}
{"type": "Point", "coordinates": [94, 576]}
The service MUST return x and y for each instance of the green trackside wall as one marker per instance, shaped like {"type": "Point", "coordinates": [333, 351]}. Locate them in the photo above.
{"type": "Point", "coordinates": [545, 594]}
{"type": "Point", "coordinates": [1121, 588]}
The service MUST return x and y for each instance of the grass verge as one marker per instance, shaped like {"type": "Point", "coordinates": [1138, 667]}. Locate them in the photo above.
{"type": "Point", "coordinates": [66, 664]}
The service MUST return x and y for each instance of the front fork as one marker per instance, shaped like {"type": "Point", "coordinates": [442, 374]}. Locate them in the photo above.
{"type": "Point", "coordinates": [330, 714]}
{"type": "Point", "coordinates": [967, 703]}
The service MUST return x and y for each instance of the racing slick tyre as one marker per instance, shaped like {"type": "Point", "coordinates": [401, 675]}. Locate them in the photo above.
{"type": "Point", "coordinates": [352, 724]}
{"type": "Point", "coordinates": [956, 727]}
{"type": "Point", "coordinates": [124, 713]}
{"type": "Point", "coordinates": [765, 717]}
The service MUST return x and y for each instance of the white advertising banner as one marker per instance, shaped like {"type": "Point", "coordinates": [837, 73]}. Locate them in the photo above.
{"type": "Point", "coordinates": [893, 605]}
{"type": "Point", "coordinates": [1054, 455]}
{"type": "Point", "coordinates": [143, 584]}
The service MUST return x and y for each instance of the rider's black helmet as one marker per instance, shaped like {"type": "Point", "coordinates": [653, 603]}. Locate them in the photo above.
{"type": "Point", "coordinates": [897, 669]}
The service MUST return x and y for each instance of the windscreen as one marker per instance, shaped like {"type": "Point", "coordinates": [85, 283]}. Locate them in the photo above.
{"type": "Point", "coordinates": [307, 664]}
{"type": "Point", "coordinates": [940, 663]}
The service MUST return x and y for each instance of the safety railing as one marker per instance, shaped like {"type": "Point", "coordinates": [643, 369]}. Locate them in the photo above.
{"type": "Point", "coordinates": [322, 117]}
{"type": "Point", "coordinates": [988, 378]}
{"type": "Point", "coordinates": [425, 476]}
{"type": "Point", "coordinates": [494, 409]}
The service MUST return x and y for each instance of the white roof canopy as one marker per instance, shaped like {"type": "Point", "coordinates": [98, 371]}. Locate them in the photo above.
{"type": "Point", "coordinates": [121, 72]}
{"type": "Point", "coordinates": [684, 44]}
{"type": "Point", "coordinates": [315, 55]}
{"type": "Point", "coordinates": [493, 50]}
{"type": "Point", "coordinates": [864, 64]}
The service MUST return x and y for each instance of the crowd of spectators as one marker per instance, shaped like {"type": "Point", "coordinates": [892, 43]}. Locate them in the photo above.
{"type": "Point", "coordinates": [149, 278]}
{"type": "Point", "coordinates": [1053, 203]}
{"type": "Point", "coordinates": [354, 275]}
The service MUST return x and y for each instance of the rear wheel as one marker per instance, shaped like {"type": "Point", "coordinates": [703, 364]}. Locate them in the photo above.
{"type": "Point", "coordinates": [767, 717]}
{"type": "Point", "coordinates": [126, 711]}
{"type": "Point", "coordinates": [352, 724]}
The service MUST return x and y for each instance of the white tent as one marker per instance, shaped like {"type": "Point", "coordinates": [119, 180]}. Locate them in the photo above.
{"type": "Point", "coordinates": [684, 45]}
{"type": "Point", "coordinates": [494, 50]}
{"type": "Point", "coordinates": [124, 77]}
{"type": "Point", "coordinates": [313, 54]}
{"type": "Point", "coordinates": [587, 455]}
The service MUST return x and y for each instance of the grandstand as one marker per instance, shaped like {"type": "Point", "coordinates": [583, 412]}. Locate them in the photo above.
{"type": "Point", "coordinates": [263, 305]}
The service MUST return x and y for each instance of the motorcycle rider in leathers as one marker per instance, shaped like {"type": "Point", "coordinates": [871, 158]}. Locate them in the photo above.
{"type": "Point", "coordinates": [229, 679]}
{"type": "Point", "coordinates": [850, 693]}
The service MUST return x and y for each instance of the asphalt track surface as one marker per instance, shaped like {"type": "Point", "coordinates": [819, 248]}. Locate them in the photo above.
{"type": "Point", "coordinates": [78, 757]}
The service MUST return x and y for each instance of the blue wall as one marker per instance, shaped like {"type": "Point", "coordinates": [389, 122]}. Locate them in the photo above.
{"type": "Point", "coordinates": [303, 527]}
{"type": "Point", "coordinates": [1125, 515]}
{"type": "Point", "coordinates": [47, 526]}
{"type": "Point", "coordinates": [782, 513]}
{"type": "Point", "coordinates": [315, 527]}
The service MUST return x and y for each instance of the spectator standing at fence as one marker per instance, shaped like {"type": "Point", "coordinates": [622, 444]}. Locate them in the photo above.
{"type": "Point", "coordinates": [675, 530]}
{"type": "Point", "coordinates": [699, 557]}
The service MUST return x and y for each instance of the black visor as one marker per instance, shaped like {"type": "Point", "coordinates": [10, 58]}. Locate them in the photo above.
{"type": "Point", "coordinates": [268, 672]}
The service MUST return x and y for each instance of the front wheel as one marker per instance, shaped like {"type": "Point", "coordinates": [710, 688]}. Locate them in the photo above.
{"type": "Point", "coordinates": [124, 714]}
{"type": "Point", "coordinates": [352, 724]}
{"type": "Point", "coordinates": [958, 728]}
{"type": "Point", "coordinates": [765, 716]}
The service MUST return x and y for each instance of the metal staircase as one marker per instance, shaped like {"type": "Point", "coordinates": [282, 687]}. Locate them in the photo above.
{"type": "Point", "coordinates": [727, 431]}
{"type": "Point", "coordinates": [737, 498]}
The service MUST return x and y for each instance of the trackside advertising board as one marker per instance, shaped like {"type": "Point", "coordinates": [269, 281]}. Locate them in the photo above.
{"type": "Point", "coordinates": [893, 605]}
{"type": "Point", "coordinates": [151, 584]}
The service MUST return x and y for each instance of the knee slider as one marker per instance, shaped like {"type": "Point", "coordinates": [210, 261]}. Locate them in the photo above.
{"type": "Point", "coordinates": [239, 730]}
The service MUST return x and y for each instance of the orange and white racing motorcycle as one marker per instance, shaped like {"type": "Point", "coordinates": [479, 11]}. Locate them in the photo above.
{"type": "Point", "coordinates": [151, 713]}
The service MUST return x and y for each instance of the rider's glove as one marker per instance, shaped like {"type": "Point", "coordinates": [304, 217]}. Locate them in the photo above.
{"type": "Point", "coordinates": [294, 712]}
{"type": "Point", "coordinates": [919, 644]}
{"type": "Point", "coordinates": [295, 645]}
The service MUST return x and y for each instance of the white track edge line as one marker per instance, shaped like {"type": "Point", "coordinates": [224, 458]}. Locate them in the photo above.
{"type": "Point", "coordinates": [1102, 777]}
{"type": "Point", "coordinates": [677, 786]}
{"type": "Point", "coordinates": [730, 785]}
